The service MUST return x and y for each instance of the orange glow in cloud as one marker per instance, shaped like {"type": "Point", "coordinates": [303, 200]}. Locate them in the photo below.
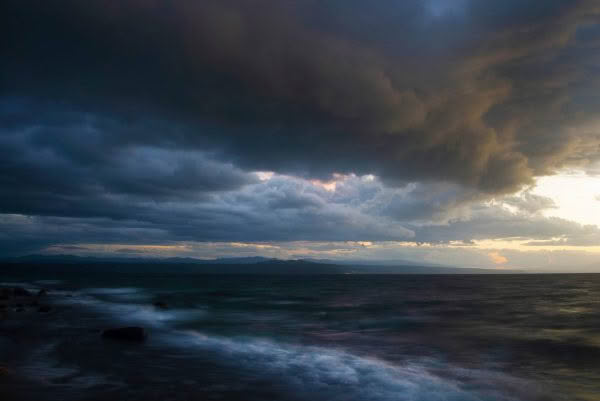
{"type": "Point", "coordinates": [497, 258]}
{"type": "Point", "coordinates": [330, 185]}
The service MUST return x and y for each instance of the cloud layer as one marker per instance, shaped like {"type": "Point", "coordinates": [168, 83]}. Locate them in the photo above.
{"type": "Point", "coordinates": [482, 94]}
{"type": "Point", "coordinates": [147, 121]}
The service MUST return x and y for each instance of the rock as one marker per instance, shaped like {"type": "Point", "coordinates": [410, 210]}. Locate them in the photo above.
{"type": "Point", "coordinates": [44, 309]}
{"type": "Point", "coordinates": [4, 371]}
{"type": "Point", "coordinates": [133, 334]}
{"type": "Point", "coordinates": [6, 293]}
{"type": "Point", "coordinates": [20, 310]}
{"type": "Point", "coordinates": [161, 305]}
{"type": "Point", "coordinates": [42, 293]}
{"type": "Point", "coordinates": [21, 292]}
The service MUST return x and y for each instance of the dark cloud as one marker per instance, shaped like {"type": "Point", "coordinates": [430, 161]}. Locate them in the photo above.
{"type": "Point", "coordinates": [74, 169]}
{"type": "Point", "coordinates": [483, 94]}
{"type": "Point", "coordinates": [144, 121]}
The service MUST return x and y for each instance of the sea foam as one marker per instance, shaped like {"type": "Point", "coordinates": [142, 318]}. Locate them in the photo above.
{"type": "Point", "coordinates": [323, 373]}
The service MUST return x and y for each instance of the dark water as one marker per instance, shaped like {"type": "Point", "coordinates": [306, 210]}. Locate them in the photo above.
{"type": "Point", "coordinates": [345, 337]}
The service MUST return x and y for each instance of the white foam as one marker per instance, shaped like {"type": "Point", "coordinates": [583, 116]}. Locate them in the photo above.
{"type": "Point", "coordinates": [134, 313]}
{"type": "Point", "coordinates": [120, 294]}
{"type": "Point", "coordinates": [111, 291]}
{"type": "Point", "coordinates": [336, 374]}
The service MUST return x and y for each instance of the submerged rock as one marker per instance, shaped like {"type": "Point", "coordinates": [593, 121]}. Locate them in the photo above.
{"type": "Point", "coordinates": [161, 305]}
{"type": "Point", "coordinates": [134, 334]}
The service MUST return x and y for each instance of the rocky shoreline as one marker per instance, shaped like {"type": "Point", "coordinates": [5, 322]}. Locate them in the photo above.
{"type": "Point", "coordinates": [19, 299]}
{"type": "Point", "coordinates": [34, 318]}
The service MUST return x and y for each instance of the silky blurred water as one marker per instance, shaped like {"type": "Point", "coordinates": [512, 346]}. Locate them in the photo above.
{"type": "Point", "coordinates": [343, 337]}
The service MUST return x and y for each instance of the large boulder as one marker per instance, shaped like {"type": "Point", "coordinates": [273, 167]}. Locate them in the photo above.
{"type": "Point", "coordinates": [133, 334]}
{"type": "Point", "coordinates": [5, 294]}
{"type": "Point", "coordinates": [21, 292]}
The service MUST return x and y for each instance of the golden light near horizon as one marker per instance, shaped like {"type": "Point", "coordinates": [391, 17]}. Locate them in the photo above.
{"type": "Point", "coordinates": [576, 195]}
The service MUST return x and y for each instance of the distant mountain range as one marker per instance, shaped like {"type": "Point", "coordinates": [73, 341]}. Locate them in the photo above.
{"type": "Point", "coordinates": [243, 265]}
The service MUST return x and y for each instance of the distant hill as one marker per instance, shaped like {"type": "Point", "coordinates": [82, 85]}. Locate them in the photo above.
{"type": "Point", "coordinates": [376, 262]}
{"type": "Point", "coordinates": [67, 259]}
{"type": "Point", "coordinates": [245, 265]}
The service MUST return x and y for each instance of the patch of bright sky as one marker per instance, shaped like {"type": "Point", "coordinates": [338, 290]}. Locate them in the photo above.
{"type": "Point", "coordinates": [264, 175]}
{"type": "Point", "coordinates": [576, 195]}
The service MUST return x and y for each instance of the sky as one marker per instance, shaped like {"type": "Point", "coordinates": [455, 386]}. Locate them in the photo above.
{"type": "Point", "coordinates": [460, 133]}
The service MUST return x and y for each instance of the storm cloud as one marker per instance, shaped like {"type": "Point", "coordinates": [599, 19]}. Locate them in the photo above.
{"type": "Point", "coordinates": [149, 121]}
{"type": "Point", "coordinates": [482, 94]}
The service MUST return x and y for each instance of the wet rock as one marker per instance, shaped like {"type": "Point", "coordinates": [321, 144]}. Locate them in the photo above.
{"type": "Point", "coordinates": [44, 309]}
{"type": "Point", "coordinates": [132, 334]}
{"type": "Point", "coordinates": [21, 292]}
{"type": "Point", "coordinates": [160, 305]}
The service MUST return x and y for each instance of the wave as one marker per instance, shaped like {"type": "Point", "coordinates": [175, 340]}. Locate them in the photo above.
{"type": "Point", "coordinates": [119, 293]}
{"type": "Point", "coordinates": [132, 313]}
{"type": "Point", "coordinates": [324, 373]}
{"type": "Point", "coordinates": [314, 372]}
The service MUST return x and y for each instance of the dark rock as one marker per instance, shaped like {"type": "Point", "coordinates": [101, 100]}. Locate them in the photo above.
{"type": "Point", "coordinates": [42, 293]}
{"type": "Point", "coordinates": [21, 292]}
{"type": "Point", "coordinates": [134, 334]}
{"type": "Point", "coordinates": [20, 310]}
{"type": "Point", "coordinates": [161, 305]}
{"type": "Point", "coordinates": [44, 309]}
{"type": "Point", "coordinates": [4, 371]}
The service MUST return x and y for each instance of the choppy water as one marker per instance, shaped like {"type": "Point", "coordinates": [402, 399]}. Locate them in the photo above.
{"type": "Point", "coordinates": [418, 338]}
